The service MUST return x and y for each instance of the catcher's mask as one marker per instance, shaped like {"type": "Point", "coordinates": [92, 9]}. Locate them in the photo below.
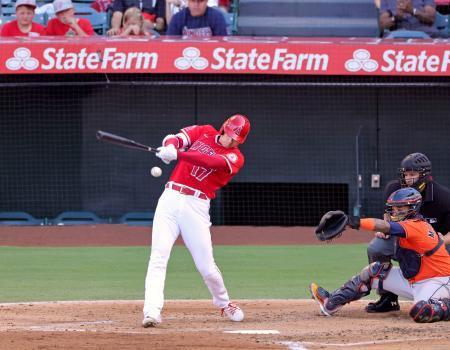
{"type": "Point", "coordinates": [237, 127]}
{"type": "Point", "coordinates": [404, 197]}
{"type": "Point", "coordinates": [420, 163]}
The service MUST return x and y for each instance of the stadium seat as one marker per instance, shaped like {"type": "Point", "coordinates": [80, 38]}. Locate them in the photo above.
{"type": "Point", "coordinates": [8, 13]}
{"type": "Point", "coordinates": [41, 19]}
{"type": "Point", "coordinates": [97, 19]}
{"type": "Point", "coordinates": [77, 218]}
{"type": "Point", "coordinates": [12, 218]}
{"type": "Point", "coordinates": [229, 18]}
{"type": "Point", "coordinates": [407, 34]}
{"type": "Point", "coordinates": [441, 22]}
{"type": "Point", "coordinates": [137, 218]}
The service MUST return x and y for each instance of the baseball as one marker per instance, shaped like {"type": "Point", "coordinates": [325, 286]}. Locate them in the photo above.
{"type": "Point", "coordinates": [156, 171]}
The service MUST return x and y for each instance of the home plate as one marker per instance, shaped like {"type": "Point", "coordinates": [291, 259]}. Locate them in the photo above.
{"type": "Point", "coordinates": [254, 331]}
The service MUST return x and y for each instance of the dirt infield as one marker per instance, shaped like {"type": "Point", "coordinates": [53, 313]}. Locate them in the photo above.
{"type": "Point", "coordinates": [291, 324]}
{"type": "Point", "coordinates": [123, 235]}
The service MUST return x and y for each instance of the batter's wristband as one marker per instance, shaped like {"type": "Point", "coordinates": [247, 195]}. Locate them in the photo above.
{"type": "Point", "coordinates": [172, 141]}
{"type": "Point", "coordinates": [368, 224]}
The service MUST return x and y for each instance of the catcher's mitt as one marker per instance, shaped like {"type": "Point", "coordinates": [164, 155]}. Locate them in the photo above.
{"type": "Point", "coordinates": [331, 225]}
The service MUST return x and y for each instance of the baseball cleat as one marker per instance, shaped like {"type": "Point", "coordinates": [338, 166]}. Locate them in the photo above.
{"type": "Point", "coordinates": [150, 321]}
{"type": "Point", "coordinates": [233, 312]}
{"type": "Point", "coordinates": [387, 302]}
{"type": "Point", "coordinates": [321, 296]}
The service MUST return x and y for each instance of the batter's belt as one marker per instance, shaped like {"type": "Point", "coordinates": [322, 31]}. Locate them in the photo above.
{"type": "Point", "coordinates": [186, 190]}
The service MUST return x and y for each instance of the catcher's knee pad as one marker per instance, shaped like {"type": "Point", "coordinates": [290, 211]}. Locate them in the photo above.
{"type": "Point", "coordinates": [430, 311]}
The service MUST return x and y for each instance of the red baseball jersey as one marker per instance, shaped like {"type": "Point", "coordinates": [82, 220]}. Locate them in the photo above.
{"type": "Point", "coordinates": [12, 29]}
{"type": "Point", "coordinates": [204, 139]}
{"type": "Point", "coordinates": [57, 28]}
{"type": "Point", "coordinates": [421, 237]}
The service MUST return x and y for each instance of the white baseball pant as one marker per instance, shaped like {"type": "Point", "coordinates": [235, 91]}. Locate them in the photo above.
{"type": "Point", "coordinates": [178, 213]}
{"type": "Point", "coordinates": [431, 288]}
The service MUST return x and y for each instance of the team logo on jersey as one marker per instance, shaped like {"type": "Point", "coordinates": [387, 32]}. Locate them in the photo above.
{"type": "Point", "coordinates": [202, 148]}
{"type": "Point", "coordinates": [232, 157]}
{"type": "Point", "coordinates": [431, 234]}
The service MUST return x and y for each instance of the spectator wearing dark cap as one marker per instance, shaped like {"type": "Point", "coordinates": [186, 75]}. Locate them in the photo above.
{"type": "Point", "coordinates": [153, 12]}
{"type": "Point", "coordinates": [23, 25]}
{"type": "Point", "coordinates": [65, 23]}
{"type": "Point", "coordinates": [198, 20]}
{"type": "Point", "coordinates": [408, 15]}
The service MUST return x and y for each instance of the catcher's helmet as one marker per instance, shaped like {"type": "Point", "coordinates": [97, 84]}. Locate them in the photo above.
{"type": "Point", "coordinates": [416, 162]}
{"type": "Point", "coordinates": [237, 127]}
{"type": "Point", "coordinates": [404, 197]}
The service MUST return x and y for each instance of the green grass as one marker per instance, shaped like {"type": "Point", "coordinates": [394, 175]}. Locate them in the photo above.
{"type": "Point", "coordinates": [279, 272]}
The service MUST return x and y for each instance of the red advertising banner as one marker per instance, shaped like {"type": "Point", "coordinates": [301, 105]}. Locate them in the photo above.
{"type": "Point", "coordinates": [235, 55]}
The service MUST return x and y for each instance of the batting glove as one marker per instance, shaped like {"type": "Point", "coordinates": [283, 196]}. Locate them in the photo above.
{"type": "Point", "coordinates": [167, 153]}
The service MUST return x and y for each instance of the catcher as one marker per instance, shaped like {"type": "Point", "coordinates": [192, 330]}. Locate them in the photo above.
{"type": "Point", "coordinates": [424, 272]}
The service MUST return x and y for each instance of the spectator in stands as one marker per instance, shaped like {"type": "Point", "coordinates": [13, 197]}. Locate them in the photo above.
{"type": "Point", "coordinates": [408, 14]}
{"type": "Point", "coordinates": [175, 6]}
{"type": "Point", "coordinates": [101, 5]}
{"type": "Point", "coordinates": [153, 12]}
{"type": "Point", "coordinates": [133, 23]}
{"type": "Point", "coordinates": [198, 20]}
{"type": "Point", "coordinates": [224, 5]}
{"type": "Point", "coordinates": [23, 25]}
{"type": "Point", "coordinates": [65, 23]}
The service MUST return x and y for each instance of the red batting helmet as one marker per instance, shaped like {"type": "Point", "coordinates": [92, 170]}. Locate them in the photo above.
{"type": "Point", "coordinates": [237, 127]}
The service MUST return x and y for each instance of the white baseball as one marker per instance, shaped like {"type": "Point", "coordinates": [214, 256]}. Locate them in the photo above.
{"type": "Point", "coordinates": [156, 171]}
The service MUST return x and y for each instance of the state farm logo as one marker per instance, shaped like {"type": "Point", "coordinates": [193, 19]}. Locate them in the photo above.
{"type": "Point", "coordinates": [191, 59]}
{"type": "Point", "coordinates": [22, 59]}
{"type": "Point", "coordinates": [361, 60]}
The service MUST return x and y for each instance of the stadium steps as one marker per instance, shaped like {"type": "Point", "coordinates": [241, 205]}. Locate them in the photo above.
{"type": "Point", "coordinates": [310, 26]}
{"type": "Point", "coordinates": [329, 18]}
{"type": "Point", "coordinates": [314, 8]}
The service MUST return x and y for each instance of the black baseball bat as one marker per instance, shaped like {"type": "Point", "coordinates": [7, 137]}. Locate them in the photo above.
{"type": "Point", "coordinates": [122, 141]}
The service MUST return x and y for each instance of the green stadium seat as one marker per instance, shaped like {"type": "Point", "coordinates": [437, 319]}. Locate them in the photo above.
{"type": "Point", "coordinates": [19, 218]}
{"type": "Point", "coordinates": [76, 218]}
{"type": "Point", "coordinates": [137, 218]}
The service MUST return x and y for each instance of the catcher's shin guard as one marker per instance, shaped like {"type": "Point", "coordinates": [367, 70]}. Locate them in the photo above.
{"type": "Point", "coordinates": [431, 311]}
{"type": "Point", "coordinates": [360, 285]}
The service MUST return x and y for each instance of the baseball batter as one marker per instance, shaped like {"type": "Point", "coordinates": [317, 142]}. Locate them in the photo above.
{"type": "Point", "coordinates": [207, 160]}
{"type": "Point", "coordinates": [424, 272]}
